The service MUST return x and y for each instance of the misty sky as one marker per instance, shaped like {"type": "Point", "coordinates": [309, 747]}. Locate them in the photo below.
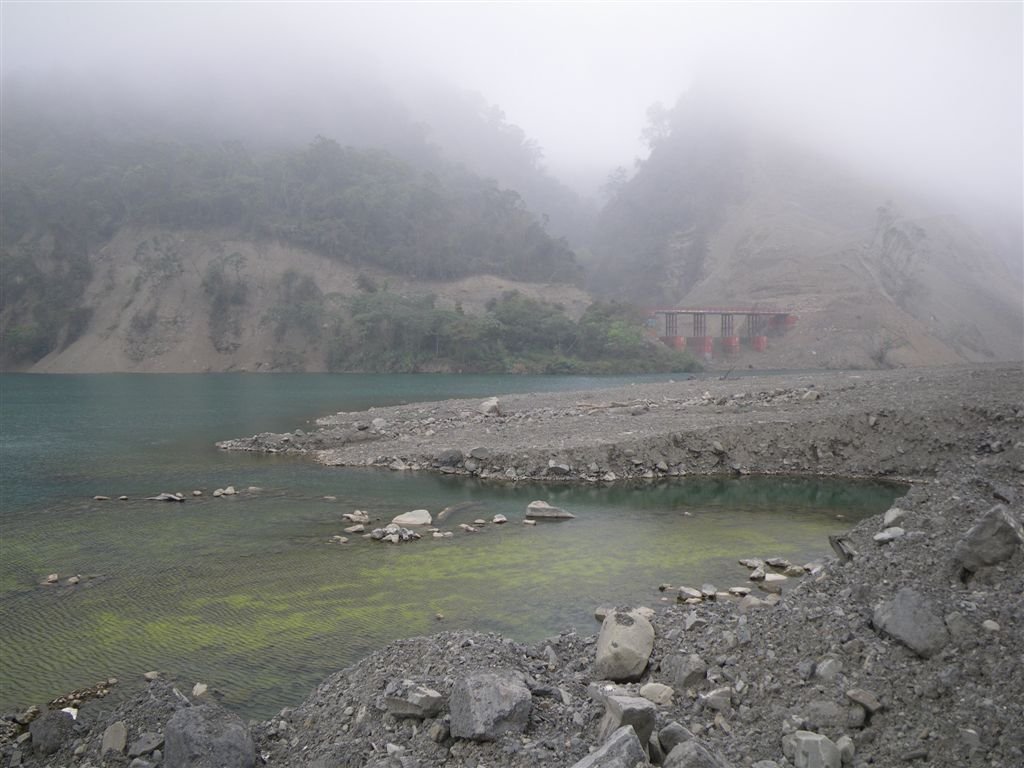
{"type": "Point", "coordinates": [930, 91]}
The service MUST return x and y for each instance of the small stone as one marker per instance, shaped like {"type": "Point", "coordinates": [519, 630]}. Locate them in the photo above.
{"type": "Point", "coordinates": [151, 676]}
{"type": "Point", "coordinates": [720, 699]}
{"type": "Point", "coordinates": [657, 692]}
{"type": "Point", "coordinates": [889, 534]}
{"type": "Point", "coordinates": [197, 493]}
{"type": "Point", "coordinates": [828, 668]}
{"type": "Point", "coordinates": [199, 689]}
{"type": "Point", "coordinates": [499, 519]}
{"type": "Point", "coordinates": [101, 498]}
{"type": "Point", "coordinates": [866, 699]}
{"type": "Point", "coordinates": [990, 626]}
{"type": "Point", "coordinates": [892, 516]}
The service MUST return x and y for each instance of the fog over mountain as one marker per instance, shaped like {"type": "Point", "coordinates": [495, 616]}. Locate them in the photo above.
{"type": "Point", "coordinates": [929, 91]}
{"type": "Point", "coordinates": [826, 156]}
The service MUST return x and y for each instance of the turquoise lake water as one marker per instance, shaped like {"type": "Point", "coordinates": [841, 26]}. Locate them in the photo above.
{"type": "Point", "coordinates": [247, 595]}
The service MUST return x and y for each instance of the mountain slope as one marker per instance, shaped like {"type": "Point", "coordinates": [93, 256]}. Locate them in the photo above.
{"type": "Point", "coordinates": [719, 215]}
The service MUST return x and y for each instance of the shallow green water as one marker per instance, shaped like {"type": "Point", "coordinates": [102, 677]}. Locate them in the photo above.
{"type": "Point", "coordinates": [246, 594]}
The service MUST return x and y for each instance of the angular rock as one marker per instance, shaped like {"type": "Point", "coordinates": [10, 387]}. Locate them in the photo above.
{"type": "Point", "coordinates": [115, 738]}
{"type": "Point", "coordinates": [490, 407]}
{"type": "Point", "coordinates": [50, 731]}
{"type": "Point", "coordinates": [657, 693]}
{"type": "Point", "coordinates": [866, 699]}
{"type": "Point", "coordinates": [684, 671]}
{"type": "Point", "coordinates": [450, 458]}
{"type": "Point", "coordinates": [811, 750]}
{"type": "Point", "coordinates": [405, 698]}
{"type": "Point", "coordinates": [541, 510]}
{"type": "Point", "coordinates": [415, 517]}
{"type": "Point", "coordinates": [693, 754]}
{"type": "Point", "coordinates": [207, 737]}
{"type": "Point", "coordinates": [912, 620]}
{"type": "Point", "coordinates": [889, 534]}
{"type": "Point", "coordinates": [622, 750]}
{"type": "Point", "coordinates": [485, 705]}
{"type": "Point", "coordinates": [720, 699]}
{"type": "Point", "coordinates": [624, 646]}
{"type": "Point", "coordinates": [991, 540]}
{"type": "Point", "coordinates": [672, 735]}
{"type": "Point", "coordinates": [628, 710]}
{"type": "Point", "coordinates": [146, 743]}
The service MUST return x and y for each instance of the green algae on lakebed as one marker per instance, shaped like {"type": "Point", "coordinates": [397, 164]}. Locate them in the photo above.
{"type": "Point", "coordinates": [248, 595]}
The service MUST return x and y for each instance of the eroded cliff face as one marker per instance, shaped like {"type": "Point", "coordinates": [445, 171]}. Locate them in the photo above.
{"type": "Point", "coordinates": [871, 287]}
{"type": "Point", "coordinates": [182, 301]}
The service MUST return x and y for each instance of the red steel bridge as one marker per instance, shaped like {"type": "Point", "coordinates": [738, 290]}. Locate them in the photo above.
{"type": "Point", "coordinates": [694, 327]}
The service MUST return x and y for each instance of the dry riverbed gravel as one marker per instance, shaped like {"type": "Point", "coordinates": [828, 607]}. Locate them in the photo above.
{"type": "Point", "coordinates": [907, 648]}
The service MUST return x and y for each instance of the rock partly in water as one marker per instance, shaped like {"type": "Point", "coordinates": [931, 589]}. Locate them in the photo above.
{"type": "Point", "coordinates": [415, 517]}
{"type": "Point", "coordinates": [541, 510]}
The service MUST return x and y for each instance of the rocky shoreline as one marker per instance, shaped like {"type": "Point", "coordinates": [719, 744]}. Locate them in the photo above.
{"type": "Point", "coordinates": [906, 649]}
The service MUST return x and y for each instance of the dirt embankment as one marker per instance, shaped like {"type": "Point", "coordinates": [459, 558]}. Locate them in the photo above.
{"type": "Point", "coordinates": [908, 650]}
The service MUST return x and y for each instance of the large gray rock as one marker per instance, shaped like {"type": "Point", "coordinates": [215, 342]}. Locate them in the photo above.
{"type": "Point", "coordinates": [811, 750]}
{"type": "Point", "coordinates": [51, 730]}
{"type": "Point", "coordinates": [912, 620]}
{"type": "Point", "coordinates": [628, 710]}
{"type": "Point", "coordinates": [991, 540]}
{"type": "Point", "coordinates": [624, 646]}
{"type": "Point", "coordinates": [622, 750]}
{"type": "Point", "coordinates": [684, 671]}
{"type": "Point", "coordinates": [693, 754]}
{"type": "Point", "coordinates": [207, 737]}
{"type": "Point", "coordinates": [405, 698]}
{"type": "Point", "coordinates": [115, 738]}
{"type": "Point", "coordinates": [415, 517]}
{"type": "Point", "coordinates": [485, 705]}
{"type": "Point", "coordinates": [541, 510]}
{"type": "Point", "coordinates": [672, 735]}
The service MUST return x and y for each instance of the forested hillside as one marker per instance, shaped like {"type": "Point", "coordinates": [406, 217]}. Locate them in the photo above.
{"type": "Point", "coordinates": [133, 246]}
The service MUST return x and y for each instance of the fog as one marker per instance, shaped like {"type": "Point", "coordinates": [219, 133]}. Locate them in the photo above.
{"type": "Point", "coordinates": [926, 93]}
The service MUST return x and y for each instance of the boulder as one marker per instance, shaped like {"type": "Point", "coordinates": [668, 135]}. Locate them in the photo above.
{"type": "Point", "coordinates": [991, 540]}
{"type": "Point", "coordinates": [115, 738]}
{"type": "Point", "coordinates": [912, 620]}
{"type": "Point", "coordinates": [207, 737]}
{"type": "Point", "coordinates": [358, 516]}
{"type": "Point", "coordinates": [450, 458]}
{"type": "Point", "coordinates": [624, 646]}
{"type": "Point", "coordinates": [51, 730]}
{"type": "Point", "coordinates": [672, 735]}
{"type": "Point", "coordinates": [484, 705]}
{"type": "Point", "coordinates": [693, 754]}
{"type": "Point", "coordinates": [415, 517]}
{"type": "Point", "coordinates": [684, 671]}
{"type": "Point", "coordinates": [811, 750]}
{"type": "Point", "coordinates": [622, 750]}
{"type": "Point", "coordinates": [490, 407]}
{"type": "Point", "coordinates": [145, 744]}
{"type": "Point", "coordinates": [405, 698]}
{"type": "Point", "coordinates": [658, 693]}
{"type": "Point", "coordinates": [628, 710]}
{"type": "Point", "coordinates": [541, 510]}
{"type": "Point", "coordinates": [166, 497]}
